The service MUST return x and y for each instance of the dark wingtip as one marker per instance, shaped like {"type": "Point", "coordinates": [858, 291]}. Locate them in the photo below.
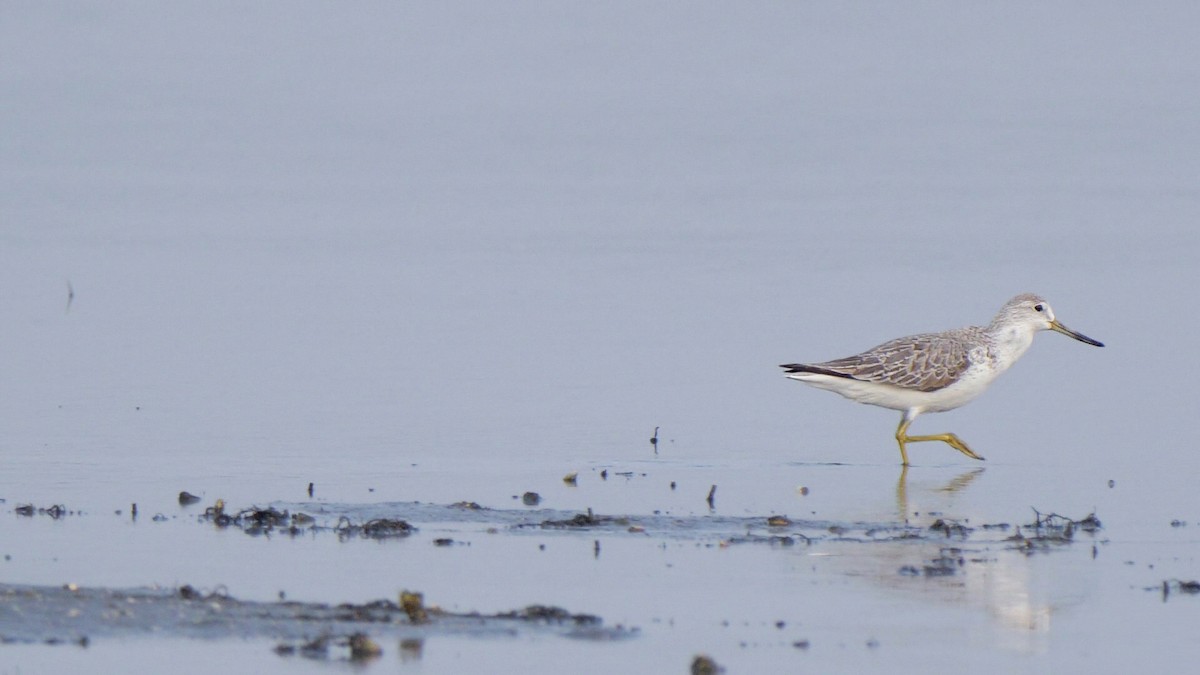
{"type": "Point", "coordinates": [805, 368]}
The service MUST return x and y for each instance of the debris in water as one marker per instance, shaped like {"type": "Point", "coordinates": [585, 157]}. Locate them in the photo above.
{"type": "Point", "coordinates": [1051, 528]}
{"type": "Point", "coordinates": [363, 648]}
{"type": "Point", "coordinates": [360, 646]}
{"type": "Point", "coordinates": [1053, 521]}
{"type": "Point", "coordinates": [1187, 587]}
{"type": "Point", "coordinates": [773, 540]}
{"type": "Point", "coordinates": [189, 592]}
{"type": "Point", "coordinates": [712, 493]}
{"type": "Point", "coordinates": [317, 648]}
{"type": "Point", "coordinates": [258, 519]}
{"type": "Point", "coordinates": [377, 528]}
{"type": "Point", "coordinates": [588, 519]}
{"type": "Point", "coordinates": [550, 614]}
{"type": "Point", "coordinates": [951, 528]}
{"type": "Point", "coordinates": [571, 478]}
{"type": "Point", "coordinates": [531, 499]}
{"type": "Point", "coordinates": [413, 604]}
{"type": "Point", "coordinates": [778, 521]}
{"type": "Point", "coordinates": [704, 664]}
{"type": "Point", "coordinates": [187, 499]}
{"type": "Point", "coordinates": [265, 521]}
{"type": "Point", "coordinates": [28, 510]}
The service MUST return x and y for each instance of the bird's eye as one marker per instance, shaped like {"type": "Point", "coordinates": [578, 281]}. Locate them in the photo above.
{"type": "Point", "coordinates": [1039, 308]}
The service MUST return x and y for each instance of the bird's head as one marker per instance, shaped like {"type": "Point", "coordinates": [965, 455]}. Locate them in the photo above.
{"type": "Point", "coordinates": [1032, 312]}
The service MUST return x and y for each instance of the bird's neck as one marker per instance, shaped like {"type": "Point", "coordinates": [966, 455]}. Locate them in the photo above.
{"type": "Point", "coordinates": [1009, 344]}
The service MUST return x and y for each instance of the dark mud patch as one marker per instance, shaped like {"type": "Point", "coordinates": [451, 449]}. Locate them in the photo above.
{"type": "Point", "coordinates": [258, 521]}
{"type": "Point", "coordinates": [73, 615]}
{"type": "Point", "coordinates": [377, 528]}
{"type": "Point", "coordinates": [449, 524]}
{"type": "Point", "coordinates": [771, 540]}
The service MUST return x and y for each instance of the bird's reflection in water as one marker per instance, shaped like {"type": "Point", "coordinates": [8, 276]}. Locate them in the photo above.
{"type": "Point", "coordinates": [956, 485]}
{"type": "Point", "coordinates": [411, 649]}
{"type": "Point", "coordinates": [983, 572]}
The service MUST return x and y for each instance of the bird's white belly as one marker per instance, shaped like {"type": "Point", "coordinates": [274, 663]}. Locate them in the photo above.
{"type": "Point", "coordinates": [972, 383]}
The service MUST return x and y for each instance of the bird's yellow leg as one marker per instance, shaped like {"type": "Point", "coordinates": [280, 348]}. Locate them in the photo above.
{"type": "Point", "coordinates": [953, 441]}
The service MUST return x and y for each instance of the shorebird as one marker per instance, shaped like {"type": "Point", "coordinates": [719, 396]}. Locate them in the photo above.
{"type": "Point", "coordinates": [936, 372]}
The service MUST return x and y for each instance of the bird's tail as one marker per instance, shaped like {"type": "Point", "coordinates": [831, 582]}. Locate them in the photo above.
{"type": "Point", "coordinates": [792, 368]}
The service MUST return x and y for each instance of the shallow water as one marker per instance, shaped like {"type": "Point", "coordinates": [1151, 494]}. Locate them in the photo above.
{"type": "Point", "coordinates": [453, 253]}
{"type": "Point", "coordinates": [687, 579]}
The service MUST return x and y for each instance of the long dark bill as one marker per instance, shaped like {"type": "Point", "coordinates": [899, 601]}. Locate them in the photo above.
{"type": "Point", "coordinates": [1059, 328]}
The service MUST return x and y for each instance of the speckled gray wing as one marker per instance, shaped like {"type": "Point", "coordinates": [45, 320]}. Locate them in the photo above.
{"type": "Point", "coordinates": [926, 362]}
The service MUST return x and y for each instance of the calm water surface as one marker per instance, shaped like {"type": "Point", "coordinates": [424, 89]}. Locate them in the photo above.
{"type": "Point", "coordinates": [453, 253]}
